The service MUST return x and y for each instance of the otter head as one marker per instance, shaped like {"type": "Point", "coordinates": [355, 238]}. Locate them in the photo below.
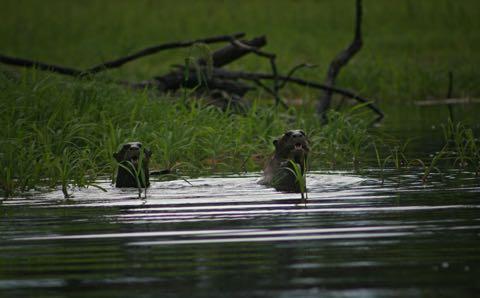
{"type": "Point", "coordinates": [292, 145]}
{"type": "Point", "coordinates": [129, 156]}
{"type": "Point", "coordinates": [130, 152]}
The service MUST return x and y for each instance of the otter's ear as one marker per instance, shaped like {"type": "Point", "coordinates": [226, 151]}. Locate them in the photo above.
{"type": "Point", "coordinates": [275, 143]}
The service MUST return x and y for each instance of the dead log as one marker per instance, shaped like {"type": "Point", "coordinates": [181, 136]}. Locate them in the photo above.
{"type": "Point", "coordinates": [122, 60]}
{"type": "Point", "coordinates": [40, 65]}
{"type": "Point", "coordinates": [447, 101]}
{"type": "Point", "coordinates": [341, 60]}
{"type": "Point", "coordinates": [272, 58]}
{"type": "Point", "coordinates": [234, 75]}
{"type": "Point", "coordinates": [230, 53]}
{"type": "Point", "coordinates": [220, 84]}
{"type": "Point", "coordinates": [155, 49]}
{"type": "Point", "coordinates": [221, 57]}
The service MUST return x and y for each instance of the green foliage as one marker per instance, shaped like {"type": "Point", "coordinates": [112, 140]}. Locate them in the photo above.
{"type": "Point", "coordinates": [137, 172]}
{"type": "Point", "coordinates": [63, 133]}
{"type": "Point", "coordinates": [409, 46]}
{"type": "Point", "coordinates": [464, 147]}
{"type": "Point", "coordinates": [343, 141]}
{"type": "Point", "coordinates": [300, 178]}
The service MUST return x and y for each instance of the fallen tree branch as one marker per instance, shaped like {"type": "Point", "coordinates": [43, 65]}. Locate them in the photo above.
{"type": "Point", "coordinates": [257, 77]}
{"type": "Point", "coordinates": [155, 49]}
{"type": "Point", "coordinates": [447, 101]}
{"type": "Point", "coordinates": [271, 57]}
{"type": "Point", "coordinates": [293, 70]}
{"type": "Point", "coordinates": [40, 65]}
{"type": "Point", "coordinates": [270, 91]}
{"type": "Point", "coordinates": [220, 79]}
{"type": "Point", "coordinates": [341, 60]}
{"type": "Point", "coordinates": [221, 73]}
{"type": "Point", "coordinates": [221, 57]}
{"type": "Point", "coordinates": [230, 53]}
{"type": "Point", "coordinates": [258, 42]}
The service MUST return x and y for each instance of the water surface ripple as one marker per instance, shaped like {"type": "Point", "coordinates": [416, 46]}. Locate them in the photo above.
{"type": "Point", "coordinates": [229, 236]}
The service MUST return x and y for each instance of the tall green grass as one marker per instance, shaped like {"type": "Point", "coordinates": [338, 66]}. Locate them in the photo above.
{"type": "Point", "coordinates": [63, 133]}
{"type": "Point", "coordinates": [462, 146]}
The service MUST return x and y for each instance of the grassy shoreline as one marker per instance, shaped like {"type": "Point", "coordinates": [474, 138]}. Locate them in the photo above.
{"type": "Point", "coordinates": [58, 131]}
{"type": "Point", "coordinates": [64, 132]}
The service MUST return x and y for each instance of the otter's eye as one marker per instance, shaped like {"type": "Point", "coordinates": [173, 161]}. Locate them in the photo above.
{"type": "Point", "coordinates": [303, 133]}
{"type": "Point", "coordinates": [288, 133]}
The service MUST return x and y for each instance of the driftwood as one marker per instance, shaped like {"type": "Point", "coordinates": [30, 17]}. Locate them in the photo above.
{"type": "Point", "coordinates": [446, 101]}
{"type": "Point", "coordinates": [226, 55]}
{"type": "Point", "coordinates": [155, 49]}
{"type": "Point", "coordinates": [39, 65]}
{"type": "Point", "coordinates": [252, 76]}
{"type": "Point", "coordinates": [121, 61]}
{"type": "Point", "coordinates": [211, 80]}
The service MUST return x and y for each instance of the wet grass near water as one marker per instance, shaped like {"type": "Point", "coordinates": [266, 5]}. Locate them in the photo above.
{"type": "Point", "coordinates": [64, 133]}
{"type": "Point", "coordinates": [58, 132]}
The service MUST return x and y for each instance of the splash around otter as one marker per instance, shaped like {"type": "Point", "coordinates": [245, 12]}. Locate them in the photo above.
{"type": "Point", "coordinates": [293, 146]}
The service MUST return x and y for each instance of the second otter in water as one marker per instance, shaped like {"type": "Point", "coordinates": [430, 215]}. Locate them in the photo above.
{"type": "Point", "coordinates": [292, 146]}
{"type": "Point", "coordinates": [128, 158]}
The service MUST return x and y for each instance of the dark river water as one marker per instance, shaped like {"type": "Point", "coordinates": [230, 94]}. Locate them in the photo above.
{"type": "Point", "coordinates": [230, 237]}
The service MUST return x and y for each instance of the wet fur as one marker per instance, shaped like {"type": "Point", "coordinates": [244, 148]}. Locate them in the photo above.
{"type": "Point", "coordinates": [130, 154]}
{"type": "Point", "coordinates": [292, 146]}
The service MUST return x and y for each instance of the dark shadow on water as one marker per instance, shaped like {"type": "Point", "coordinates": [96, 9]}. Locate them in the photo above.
{"type": "Point", "coordinates": [229, 236]}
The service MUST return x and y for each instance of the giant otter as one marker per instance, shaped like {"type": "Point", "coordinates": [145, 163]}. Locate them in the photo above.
{"type": "Point", "coordinates": [129, 156]}
{"type": "Point", "coordinates": [292, 146]}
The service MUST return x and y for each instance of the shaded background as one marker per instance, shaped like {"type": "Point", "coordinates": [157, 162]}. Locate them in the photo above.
{"type": "Point", "coordinates": [409, 46]}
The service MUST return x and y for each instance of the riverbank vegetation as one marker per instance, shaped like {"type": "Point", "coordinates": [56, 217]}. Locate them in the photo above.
{"type": "Point", "coordinates": [57, 132]}
{"type": "Point", "coordinates": [62, 132]}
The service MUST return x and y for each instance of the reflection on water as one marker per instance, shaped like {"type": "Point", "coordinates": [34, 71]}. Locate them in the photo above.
{"type": "Point", "coordinates": [229, 236]}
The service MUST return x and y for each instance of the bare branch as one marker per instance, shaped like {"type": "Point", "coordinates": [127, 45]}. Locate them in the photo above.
{"type": "Point", "coordinates": [293, 70]}
{"type": "Point", "coordinates": [271, 57]}
{"type": "Point", "coordinates": [270, 91]}
{"type": "Point", "coordinates": [221, 73]}
{"type": "Point", "coordinates": [230, 53]}
{"type": "Point", "coordinates": [341, 60]}
{"type": "Point", "coordinates": [258, 42]}
{"type": "Point", "coordinates": [155, 49]}
{"type": "Point", "coordinates": [40, 65]}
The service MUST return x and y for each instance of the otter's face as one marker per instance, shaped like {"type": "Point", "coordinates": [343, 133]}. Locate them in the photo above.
{"type": "Point", "coordinates": [292, 145]}
{"type": "Point", "coordinates": [131, 152]}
